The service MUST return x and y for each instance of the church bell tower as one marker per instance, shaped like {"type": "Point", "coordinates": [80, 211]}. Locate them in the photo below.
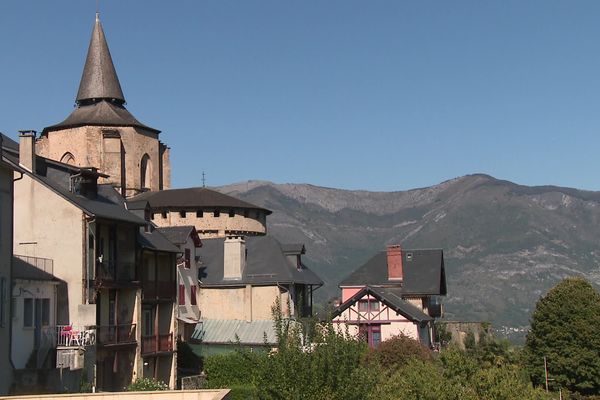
{"type": "Point", "coordinates": [102, 133]}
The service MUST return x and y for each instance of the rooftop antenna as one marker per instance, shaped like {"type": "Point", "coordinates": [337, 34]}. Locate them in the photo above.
{"type": "Point", "coordinates": [203, 179]}
{"type": "Point", "coordinates": [97, 10]}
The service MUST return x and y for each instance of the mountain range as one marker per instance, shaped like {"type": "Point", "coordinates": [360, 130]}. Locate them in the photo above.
{"type": "Point", "coordinates": [504, 244]}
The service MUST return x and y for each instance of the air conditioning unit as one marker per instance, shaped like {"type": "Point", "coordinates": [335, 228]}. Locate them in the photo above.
{"type": "Point", "coordinates": [70, 358]}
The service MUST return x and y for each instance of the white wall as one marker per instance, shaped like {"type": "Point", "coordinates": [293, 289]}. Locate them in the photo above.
{"type": "Point", "coordinates": [23, 337]}
{"type": "Point", "coordinates": [46, 225]}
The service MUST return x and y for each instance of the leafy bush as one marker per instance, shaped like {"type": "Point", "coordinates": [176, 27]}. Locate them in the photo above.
{"type": "Point", "coordinates": [397, 351]}
{"type": "Point", "coordinates": [146, 385]}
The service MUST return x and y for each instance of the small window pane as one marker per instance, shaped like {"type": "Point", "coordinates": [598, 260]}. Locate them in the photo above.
{"type": "Point", "coordinates": [199, 214]}
{"type": "Point", "coordinates": [182, 295]}
{"type": "Point", "coordinates": [27, 312]}
{"type": "Point", "coordinates": [363, 305]}
{"type": "Point", "coordinates": [193, 295]}
{"type": "Point", "coordinates": [217, 213]}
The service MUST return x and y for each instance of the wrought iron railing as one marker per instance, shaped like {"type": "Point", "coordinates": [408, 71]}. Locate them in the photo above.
{"type": "Point", "coordinates": [116, 334]}
{"type": "Point", "coordinates": [69, 336]}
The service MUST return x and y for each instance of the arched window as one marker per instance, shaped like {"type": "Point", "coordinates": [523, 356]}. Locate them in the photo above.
{"type": "Point", "coordinates": [146, 172]}
{"type": "Point", "coordinates": [68, 158]}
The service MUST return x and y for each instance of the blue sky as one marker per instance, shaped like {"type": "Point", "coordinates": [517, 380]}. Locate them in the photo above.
{"type": "Point", "coordinates": [376, 95]}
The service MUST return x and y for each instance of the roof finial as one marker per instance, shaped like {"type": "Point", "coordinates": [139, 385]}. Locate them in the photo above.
{"type": "Point", "coordinates": [97, 10]}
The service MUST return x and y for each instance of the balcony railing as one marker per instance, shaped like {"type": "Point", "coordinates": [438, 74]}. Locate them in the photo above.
{"type": "Point", "coordinates": [158, 290]}
{"type": "Point", "coordinates": [116, 334]}
{"type": "Point", "coordinates": [112, 271]}
{"type": "Point", "coordinates": [45, 264]}
{"type": "Point", "coordinates": [74, 336]}
{"type": "Point", "coordinates": [157, 343]}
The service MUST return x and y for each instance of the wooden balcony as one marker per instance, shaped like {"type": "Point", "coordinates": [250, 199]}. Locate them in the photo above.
{"type": "Point", "coordinates": [157, 344]}
{"type": "Point", "coordinates": [158, 290]}
{"type": "Point", "coordinates": [113, 274]}
{"type": "Point", "coordinates": [112, 335]}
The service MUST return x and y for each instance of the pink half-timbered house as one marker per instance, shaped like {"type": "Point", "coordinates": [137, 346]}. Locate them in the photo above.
{"type": "Point", "coordinates": [395, 292]}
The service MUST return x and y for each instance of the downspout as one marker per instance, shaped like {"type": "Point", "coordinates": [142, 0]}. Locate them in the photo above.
{"type": "Point", "coordinates": [86, 273]}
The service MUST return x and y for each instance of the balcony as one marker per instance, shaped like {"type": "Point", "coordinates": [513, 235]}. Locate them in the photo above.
{"type": "Point", "coordinates": [157, 344]}
{"type": "Point", "coordinates": [110, 273]}
{"type": "Point", "coordinates": [74, 336]}
{"type": "Point", "coordinates": [153, 290]}
{"type": "Point", "coordinates": [112, 335]}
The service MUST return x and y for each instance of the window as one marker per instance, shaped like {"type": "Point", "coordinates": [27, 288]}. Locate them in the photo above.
{"type": "Point", "coordinates": [68, 158]}
{"type": "Point", "coordinates": [217, 213]}
{"type": "Point", "coordinates": [182, 214]}
{"type": "Point", "coordinates": [231, 213]}
{"type": "Point", "coordinates": [409, 256]}
{"type": "Point", "coordinates": [193, 295]}
{"type": "Point", "coordinates": [371, 334]}
{"type": "Point", "coordinates": [363, 305]}
{"type": "Point", "coordinates": [188, 257]}
{"type": "Point", "coordinates": [164, 214]}
{"type": "Point", "coordinates": [148, 321]}
{"type": "Point", "coordinates": [369, 305]}
{"type": "Point", "coordinates": [145, 172]}
{"type": "Point", "coordinates": [246, 213]}
{"type": "Point", "coordinates": [152, 215]}
{"type": "Point", "coordinates": [199, 214]}
{"type": "Point", "coordinates": [375, 332]}
{"type": "Point", "coordinates": [27, 313]}
{"type": "Point", "coordinates": [45, 312]}
{"type": "Point", "coordinates": [181, 295]}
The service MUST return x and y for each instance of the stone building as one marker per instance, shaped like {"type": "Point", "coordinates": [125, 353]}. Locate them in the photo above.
{"type": "Point", "coordinates": [102, 133]}
{"type": "Point", "coordinates": [213, 214]}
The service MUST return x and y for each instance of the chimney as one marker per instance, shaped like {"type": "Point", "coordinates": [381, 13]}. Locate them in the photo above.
{"type": "Point", "coordinates": [394, 263]}
{"type": "Point", "coordinates": [234, 257]}
{"type": "Point", "coordinates": [27, 150]}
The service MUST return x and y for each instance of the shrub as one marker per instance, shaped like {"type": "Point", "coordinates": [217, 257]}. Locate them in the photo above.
{"type": "Point", "coordinates": [397, 351]}
{"type": "Point", "coordinates": [146, 385]}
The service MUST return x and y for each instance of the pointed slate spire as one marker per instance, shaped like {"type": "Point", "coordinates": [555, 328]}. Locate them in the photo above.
{"type": "Point", "coordinates": [99, 80]}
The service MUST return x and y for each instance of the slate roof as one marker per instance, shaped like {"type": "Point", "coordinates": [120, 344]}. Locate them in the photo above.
{"type": "Point", "coordinates": [100, 100]}
{"type": "Point", "coordinates": [8, 143]}
{"type": "Point", "coordinates": [293, 248]}
{"type": "Point", "coordinates": [192, 198]}
{"type": "Point", "coordinates": [225, 331]}
{"type": "Point", "coordinates": [424, 272]}
{"type": "Point", "coordinates": [179, 234]}
{"type": "Point", "coordinates": [156, 241]}
{"type": "Point", "coordinates": [101, 113]}
{"type": "Point", "coordinates": [21, 269]}
{"type": "Point", "coordinates": [391, 297]}
{"type": "Point", "coordinates": [55, 175]}
{"type": "Point", "coordinates": [99, 79]}
{"type": "Point", "coordinates": [266, 264]}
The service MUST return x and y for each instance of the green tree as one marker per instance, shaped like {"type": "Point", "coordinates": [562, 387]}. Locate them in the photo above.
{"type": "Point", "coordinates": [565, 329]}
